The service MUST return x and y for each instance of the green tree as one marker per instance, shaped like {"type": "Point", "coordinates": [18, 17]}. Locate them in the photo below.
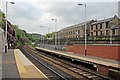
{"type": "Point", "coordinates": [21, 36]}
{"type": "Point", "coordinates": [50, 35]}
{"type": "Point", "coordinates": [2, 20]}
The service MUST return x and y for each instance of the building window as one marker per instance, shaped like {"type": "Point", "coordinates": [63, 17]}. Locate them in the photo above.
{"type": "Point", "coordinates": [96, 26]}
{"type": "Point", "coordinates": [100, 32]}
{"type": "Point", "coordinates": [91, 27]}
{"type": "Point", "coordinates": [101, 26]}
{"type": "Point", "coordinates": [96, 33]}
{"type": "Point", "coordinates": [91, 33]}
{"type": "Point", "coordinates": [73, 32]}
{"type": "Point", "coordinates": [69, 32]}
{"type": "Point", "coordinates": [107, 32]}
{"type": "Point", "coordinates": [106, 24]}
{"type": "Point", "coordinates": [78, 31]}
{"type": "Point", "coordinates": [113, 31]}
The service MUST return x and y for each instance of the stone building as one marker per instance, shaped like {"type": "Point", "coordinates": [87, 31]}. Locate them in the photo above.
{"type": "Point", "coordinates": [105, 27]}
{"type": "Point", "coordinates": [74, 31]}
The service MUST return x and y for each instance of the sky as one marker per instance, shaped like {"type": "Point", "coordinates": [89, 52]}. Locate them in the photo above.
{"type": "Point", "coordinates": [31, 15]}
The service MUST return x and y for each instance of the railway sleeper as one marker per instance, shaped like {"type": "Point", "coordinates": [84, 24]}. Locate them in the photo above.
{"type": "Point", "coordinates": [96, 78]}
{"type": "Point", "coordinates": [92, 76]}
{"type": "Point", "coordinates": [114, 74]}
{"type": "Point", "coordinates": [89, 74]}
{"type": "Point", "coordinates": [51, 76]}
{"type": "Point", "coordinates": [86, 74]}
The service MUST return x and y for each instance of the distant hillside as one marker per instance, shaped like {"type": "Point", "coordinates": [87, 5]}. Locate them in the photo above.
{"type": "Point", "coordinates": [33, 37]}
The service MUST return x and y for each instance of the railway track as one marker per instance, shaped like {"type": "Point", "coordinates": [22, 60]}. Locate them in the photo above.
{"type": "Point", "coordinates": [76, 71]}
{"type": "Point", "coordinates": [47, 69]}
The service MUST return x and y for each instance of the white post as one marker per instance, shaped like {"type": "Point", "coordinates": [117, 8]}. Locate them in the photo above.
{"type": "Point", "coordinates": [6, 45]}
{"type": "Point", "coordinates": [42, 40]}
{"type": "Point", "coordinates": [85, 33]}
{"type": "Point", "coordinates": [85, 50]}
{"type": "Point", "coordinates": [55, 32]}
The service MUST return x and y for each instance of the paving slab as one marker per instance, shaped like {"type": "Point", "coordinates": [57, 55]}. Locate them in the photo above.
{"type": "Point", "coordinates": [9, 68]}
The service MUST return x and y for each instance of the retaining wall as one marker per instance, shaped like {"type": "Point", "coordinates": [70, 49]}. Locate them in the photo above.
{"type": "Point", "coordinates": [102, 51]}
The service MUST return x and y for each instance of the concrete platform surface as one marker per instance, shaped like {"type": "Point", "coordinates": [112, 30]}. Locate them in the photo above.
{"type": "Point", "coordinates": [26, 68]}
{"type": "Point", "coordinates": [96, 60]}
{"type": "Point", "coordinates": [9, 68]}
{"type": "Point", "coordinates": [16, 66]}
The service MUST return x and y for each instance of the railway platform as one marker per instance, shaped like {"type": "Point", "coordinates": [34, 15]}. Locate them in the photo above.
{"type": "Point", "coordinates": [15, 65]}
{"type": "Point", "coordinates": [91, 59]}
{"type": "Point", "coordinates": [103, 66]}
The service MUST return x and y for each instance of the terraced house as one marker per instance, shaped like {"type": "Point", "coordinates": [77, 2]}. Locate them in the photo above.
{"type": "Point", "coordinates": [74, 31]}
{"type": "Point", "coordinates": [106, 27]}
{"type": "Point", "coordinates": [98, 28]}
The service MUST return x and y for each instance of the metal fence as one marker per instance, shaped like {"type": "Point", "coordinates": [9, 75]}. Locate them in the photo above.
{"type": "Point", "coordinates": [90, 40]}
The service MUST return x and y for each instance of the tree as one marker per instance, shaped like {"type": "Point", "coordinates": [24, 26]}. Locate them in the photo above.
{"type": "Point", "coordinates": [2, 20]}
{"type": "Point", "coordinates": [50, 35]}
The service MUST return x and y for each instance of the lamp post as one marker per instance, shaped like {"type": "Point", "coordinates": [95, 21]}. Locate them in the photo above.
{"type": "Point", "coordinates": [85, 50]}
{"type": "Point", "coordinates": [6, 44]}
{"type": "Point", "coordinates": [43, 36]}
{"type": "Point", "coordinates": [55, 32]}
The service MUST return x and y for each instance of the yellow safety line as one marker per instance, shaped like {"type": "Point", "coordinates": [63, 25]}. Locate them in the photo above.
{"type": "Point", "coordinates": [20, 66]}
{"type": "Point", "coordinates": [35, 67]}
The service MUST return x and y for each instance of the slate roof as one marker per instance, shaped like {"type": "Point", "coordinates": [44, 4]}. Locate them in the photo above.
{"type": "Point", "coordinates": [103, 20]}
{"type": "Point", "coordinates": [77, 25]}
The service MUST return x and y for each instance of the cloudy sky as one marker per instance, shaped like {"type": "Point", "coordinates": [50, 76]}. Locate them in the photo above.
{"type": "Point", "coordinates": [30, 15]}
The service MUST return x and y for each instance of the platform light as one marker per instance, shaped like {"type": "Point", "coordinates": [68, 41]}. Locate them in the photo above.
{"type": "Point", "coordinates": [85, 50]}
{"type": "Point", "coordinates": [55, 32]}
{"type": "Point", "coordinates": [6, 44]}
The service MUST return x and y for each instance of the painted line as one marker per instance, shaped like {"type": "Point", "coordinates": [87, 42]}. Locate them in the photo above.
{"type": "Point", "coordinates": [20, 66]}
{"type": "Point", "coordinates": [30, 63]}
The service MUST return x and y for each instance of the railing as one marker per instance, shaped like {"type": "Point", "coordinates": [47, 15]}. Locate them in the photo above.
{"type": "Point", "coordinates": [90, 40]}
